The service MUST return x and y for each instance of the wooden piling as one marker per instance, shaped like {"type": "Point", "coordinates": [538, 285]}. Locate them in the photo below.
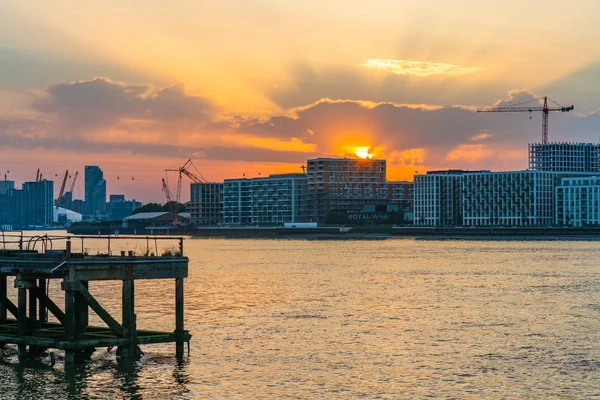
{"type": "Point", "coordinates": [69, 320]}
{"type": "Point", "coordinates": [22, 319]}
{"type": "Point", "coordinates": [43, 311]}
{"type": "Point", "coordinates": [3, 294]}
{"type": "Point", "coordinates": [179, 332]}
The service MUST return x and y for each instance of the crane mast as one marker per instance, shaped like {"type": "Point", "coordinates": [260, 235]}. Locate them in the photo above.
{"type": "Point", "coordinates": [543, 108]}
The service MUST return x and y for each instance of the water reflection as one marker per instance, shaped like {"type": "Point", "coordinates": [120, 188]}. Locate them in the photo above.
{"type": "Point", "coordinates": [390, 319]}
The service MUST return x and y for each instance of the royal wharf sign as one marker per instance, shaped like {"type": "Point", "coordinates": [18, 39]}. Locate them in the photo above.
{"type": "Point", "coordinates": [368, 217]}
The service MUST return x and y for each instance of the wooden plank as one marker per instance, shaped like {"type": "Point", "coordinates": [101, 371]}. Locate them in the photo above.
{"type": "Point", "coordinates": [101, 312]}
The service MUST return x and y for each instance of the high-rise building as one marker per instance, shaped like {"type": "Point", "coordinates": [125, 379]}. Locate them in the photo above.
{"type": "Point", "coordinates": [344, 183]}
{"type": "Point", "coordinates": [6, 185]}
{"type": "Point", "coordinates": [206, 203]}
{"type": "Point", "coordinates": [95, 191]}
{"type": "Point", "coordinates": [5, 201]}
{"type": "Point", "coordinates": [564, 157]}
{"type": "Point", "coordinates": [33, 204]}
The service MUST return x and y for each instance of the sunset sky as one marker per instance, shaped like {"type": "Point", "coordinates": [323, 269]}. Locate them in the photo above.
{"type": "Point", "coordinates": [259, 86]}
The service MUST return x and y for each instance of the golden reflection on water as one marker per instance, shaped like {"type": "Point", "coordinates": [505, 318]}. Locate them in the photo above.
{"type": "Point", "coordinates": [344, 319]}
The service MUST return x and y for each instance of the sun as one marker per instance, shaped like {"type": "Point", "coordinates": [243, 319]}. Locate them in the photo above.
{"type": "Point", "coordinates": [363, 152]}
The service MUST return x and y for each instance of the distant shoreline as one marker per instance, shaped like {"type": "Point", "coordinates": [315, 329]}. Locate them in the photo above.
{"type": "Point", "coordinates": [366, 233]}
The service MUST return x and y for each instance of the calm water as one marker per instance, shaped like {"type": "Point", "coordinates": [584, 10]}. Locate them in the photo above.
{"type": "Point", "coordinates": [396, 318]}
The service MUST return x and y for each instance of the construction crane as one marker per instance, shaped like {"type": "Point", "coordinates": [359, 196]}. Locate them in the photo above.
{"type": "Point", "coordinates": [196, 177]}
{"type": "Point", "coordinates": [521, 107]}
{"type": "Point", "coordinates": [62, 189]}
{"type": "Point", "coordinates": [172, 209]}
{"type": "Point", "coordinates": [70, 199]}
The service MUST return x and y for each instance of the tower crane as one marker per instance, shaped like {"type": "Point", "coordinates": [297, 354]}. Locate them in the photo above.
{"type": "Point", "coordinates": [522, 107]}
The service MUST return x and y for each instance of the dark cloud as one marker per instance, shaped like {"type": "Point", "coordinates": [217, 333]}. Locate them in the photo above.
{"type": "Point", "coordinates": [101, 103]}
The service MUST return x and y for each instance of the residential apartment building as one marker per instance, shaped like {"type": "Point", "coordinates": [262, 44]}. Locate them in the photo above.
{"type": "Point", "coordinates": [437, 198]}
{"type": "Point", "coordinates": [278, 199]}
{"type": "Point", "coordinates": [237, 201]}
{"type": "Point", "coordinates": [577, 201]}
{"type": "Point", "coordinates": [400, 191]}
{"type": "Point", "coordinates": [514, 198]}
{"type": "Point", "coordinates": [344, 183]}
{"type": "Point", "coordinates": [206, 203]}
{"type": "Point", "coordinates": [272, 200]}
{"type": "Point", "coordinates": [564, 157]}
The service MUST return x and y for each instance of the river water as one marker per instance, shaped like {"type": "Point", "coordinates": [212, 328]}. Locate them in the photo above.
{"type": "Point", "coordinates": [396, 318]}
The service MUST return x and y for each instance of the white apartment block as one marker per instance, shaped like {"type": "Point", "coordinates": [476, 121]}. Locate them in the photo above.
{"type": "Point", "coordinates": [437, 198]}
{"type": "Point", "coordinates": [237, 201]}
{"type": "Point", "coordinates": [564, 157]}
{"type": "Point", "coordinates": [577, 201]}
{"type": "Point", "coordinates": [515, 198]}
{"type": "Point", "coordinates": [272, 200]}
{"type": "Point", "coordinates": [278, 199]}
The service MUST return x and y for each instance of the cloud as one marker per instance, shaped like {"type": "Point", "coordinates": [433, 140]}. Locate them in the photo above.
{"type": "Point", "coordinates": [417, 68]}
{"type": "Point", "coordinates": [306, 84]}
{"type": "Point", "coordinates": [106, 117]}
{"type": "Point", "coordinates": [433, 136]}
{"type": "Point", "coordinates": [101, 104]}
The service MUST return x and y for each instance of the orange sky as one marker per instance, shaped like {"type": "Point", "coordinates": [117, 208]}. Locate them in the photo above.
{"type": "Point", "coordinates": [259, 87]}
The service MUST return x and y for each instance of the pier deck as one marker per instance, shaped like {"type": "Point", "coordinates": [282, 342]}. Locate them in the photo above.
{"type": "Point", "coordinates": [33, 261]}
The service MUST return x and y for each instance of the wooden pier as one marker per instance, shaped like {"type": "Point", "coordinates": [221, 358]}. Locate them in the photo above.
{"type": "Point", "coordinates": [33, 261]}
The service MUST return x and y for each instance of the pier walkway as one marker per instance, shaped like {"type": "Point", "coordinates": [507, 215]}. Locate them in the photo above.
{"type": "Point", "coordinates": [33, 261]}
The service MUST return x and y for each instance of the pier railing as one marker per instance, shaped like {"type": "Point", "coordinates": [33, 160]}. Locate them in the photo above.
{"type": "Point", "coordinates": [89, 244]}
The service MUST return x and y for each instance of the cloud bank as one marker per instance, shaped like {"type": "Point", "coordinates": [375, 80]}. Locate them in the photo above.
{"type": "Point", "coordinates": [106, 117]}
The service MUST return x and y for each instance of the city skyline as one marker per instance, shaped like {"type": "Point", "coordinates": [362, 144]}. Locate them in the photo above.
{"type": "Point", "coordinates": [261, 88]}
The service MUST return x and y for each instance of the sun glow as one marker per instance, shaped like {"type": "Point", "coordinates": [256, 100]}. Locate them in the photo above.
{"type": "Point", "coordinates": [363, 152]}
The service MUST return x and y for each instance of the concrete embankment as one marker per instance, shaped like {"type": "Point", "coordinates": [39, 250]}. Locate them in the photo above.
{"type": "Point", "coordinates": [348, 233]}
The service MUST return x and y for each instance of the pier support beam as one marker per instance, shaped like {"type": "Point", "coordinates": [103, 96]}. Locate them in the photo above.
{"type": "Point", "coordinates": [130, 350]}
{"type": "Point", "coordinates": [43, 311]}
{"type": "Point", "coordinates": [33, 314]}
{"type": "Point", "coordinates": [22, 320]}
{"type": "Point", "coordinates": [69, 322]}
{"type": "Point", "coordinates": [179, 332]}
{"type": "Point", "coordinates": [3, 294]}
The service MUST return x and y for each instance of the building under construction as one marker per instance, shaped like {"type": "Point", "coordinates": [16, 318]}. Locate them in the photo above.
{"type": "Point", "coordinates": [564, 157]}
